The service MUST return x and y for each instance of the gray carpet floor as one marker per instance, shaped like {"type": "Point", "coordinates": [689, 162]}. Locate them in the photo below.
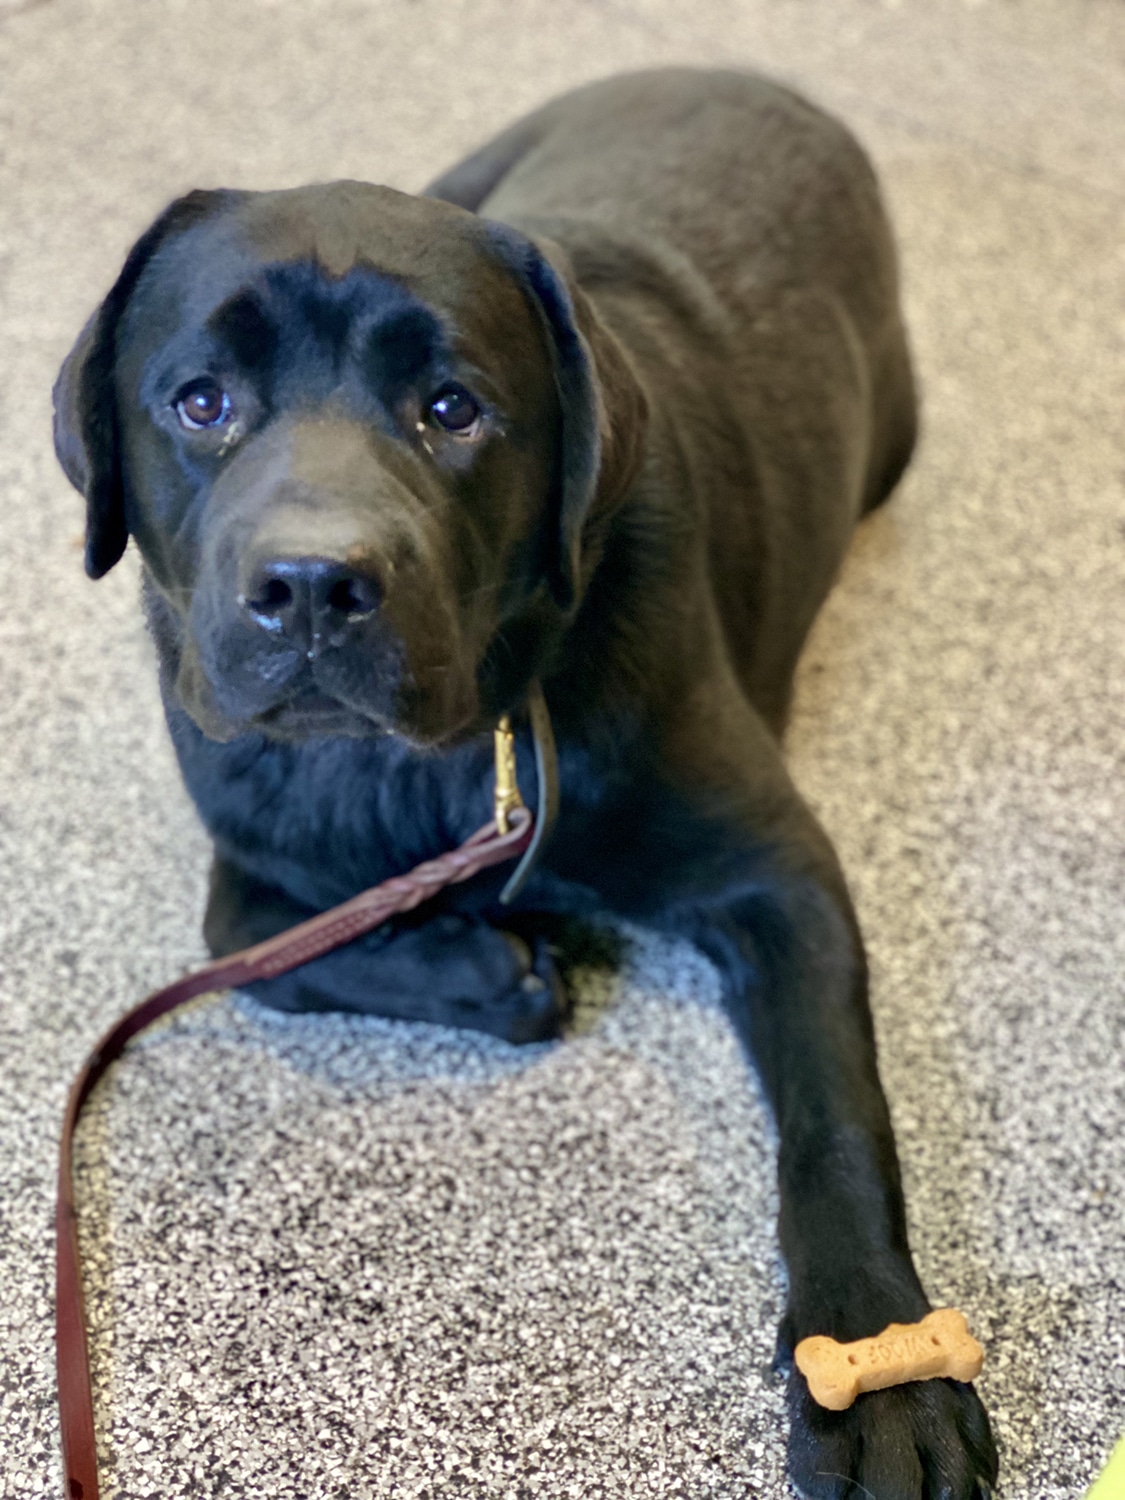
{"type": "Point", "coordinates": [332, 1257]}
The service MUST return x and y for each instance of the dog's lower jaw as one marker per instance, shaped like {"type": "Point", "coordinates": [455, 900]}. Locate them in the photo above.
{"type": "Point", "coordinates": [308, 717]}
{"type": "Point", "coordinates": [312, 710]}
{"type": "Point", "coordinates": [191, 690]}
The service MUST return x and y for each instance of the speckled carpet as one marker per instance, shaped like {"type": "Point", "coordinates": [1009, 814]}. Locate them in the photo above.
{"type": "Point", "coordinates": [332, 1257]}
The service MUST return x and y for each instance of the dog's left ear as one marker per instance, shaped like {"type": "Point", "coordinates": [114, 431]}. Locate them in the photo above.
{"type": "Point", "coordinates": [604, 411]}
{"type": "Point", "coordinates": [87, 439]}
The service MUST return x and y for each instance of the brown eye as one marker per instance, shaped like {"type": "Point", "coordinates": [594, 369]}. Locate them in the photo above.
{"type": "Point", "coordinates": [202, 404]}
{"type": "Point", "coordinates": [455, 410]}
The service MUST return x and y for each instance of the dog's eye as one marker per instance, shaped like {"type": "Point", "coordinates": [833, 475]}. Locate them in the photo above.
{"type": "Point", "coordinates": [454, 410]}
{"type": "Point", "coordinates": [202, 404]}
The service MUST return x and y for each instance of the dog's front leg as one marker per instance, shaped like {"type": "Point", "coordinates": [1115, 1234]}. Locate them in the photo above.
{"type": "Point", "coordinates": [745, 869]}
{"type": "Point", "coordinates": [446, 968]}
{"type": "Point", "coordinates": [795, 986]}
{"type": "Point", "coordinates": [796, 989]}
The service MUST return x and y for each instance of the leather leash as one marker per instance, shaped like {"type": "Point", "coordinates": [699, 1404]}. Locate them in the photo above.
{"type": "Point", "coordinates": [513, 831]}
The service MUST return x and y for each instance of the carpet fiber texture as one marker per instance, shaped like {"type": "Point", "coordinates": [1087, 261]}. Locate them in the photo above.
{"type": "Point", "coordinates": [332, 1257]}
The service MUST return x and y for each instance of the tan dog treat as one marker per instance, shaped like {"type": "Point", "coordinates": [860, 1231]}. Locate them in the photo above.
{"type": "Point", "coordinates": [940, 1345]}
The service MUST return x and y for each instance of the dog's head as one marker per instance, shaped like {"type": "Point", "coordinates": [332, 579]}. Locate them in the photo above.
{"type": "Point", "coordinates": [365, 443]}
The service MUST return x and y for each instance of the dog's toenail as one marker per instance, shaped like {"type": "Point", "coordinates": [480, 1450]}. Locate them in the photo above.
{"type": "Point", "coordinates": [520, 949]}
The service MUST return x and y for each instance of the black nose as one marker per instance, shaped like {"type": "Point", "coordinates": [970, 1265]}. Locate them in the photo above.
{"type": "Point", "coordinates": [313, 602]}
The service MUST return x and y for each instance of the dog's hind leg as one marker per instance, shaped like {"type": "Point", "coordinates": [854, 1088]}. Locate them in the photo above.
{"type": "Point", "coordinates": [895, 407]}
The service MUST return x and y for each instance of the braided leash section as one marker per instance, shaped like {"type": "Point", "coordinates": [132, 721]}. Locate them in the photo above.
{"type": "Point", "coordinates": [308, 940]}
{"type": "Point", "coordinates": [401, 893]}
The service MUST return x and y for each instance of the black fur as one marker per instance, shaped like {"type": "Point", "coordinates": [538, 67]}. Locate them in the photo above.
{"type": "Point", "coordinates": [677, 315]}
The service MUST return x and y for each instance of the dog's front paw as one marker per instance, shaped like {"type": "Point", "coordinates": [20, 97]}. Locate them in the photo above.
{"type": "Point", "coordinates": [927, 1440]}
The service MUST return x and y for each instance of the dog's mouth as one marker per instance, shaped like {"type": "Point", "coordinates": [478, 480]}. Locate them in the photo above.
{"type": "Point", "coordinates": [312, 712]}
{"type": "Point", "coordinates": [353, 693]}
{"type": "Point", "coordinates": [280, 694]}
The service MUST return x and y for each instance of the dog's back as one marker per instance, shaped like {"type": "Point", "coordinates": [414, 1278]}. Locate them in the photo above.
{"type": "Point", "coordinates": [722, 218]}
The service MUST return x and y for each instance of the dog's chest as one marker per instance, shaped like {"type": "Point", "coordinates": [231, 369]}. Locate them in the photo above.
{"type": "Point", "coordinates": [327, 818]}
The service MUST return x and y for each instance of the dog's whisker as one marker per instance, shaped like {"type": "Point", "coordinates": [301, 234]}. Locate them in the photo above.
{"type": "Point", "coordinates": [854, 1483]}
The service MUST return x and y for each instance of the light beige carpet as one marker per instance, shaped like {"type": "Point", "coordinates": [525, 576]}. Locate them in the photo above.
{"type": "Point", "coordinates": [345, 1258]}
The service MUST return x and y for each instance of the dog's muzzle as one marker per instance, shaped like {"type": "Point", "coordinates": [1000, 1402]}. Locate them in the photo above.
{"type": "Point", "coordinates": [326, 598]}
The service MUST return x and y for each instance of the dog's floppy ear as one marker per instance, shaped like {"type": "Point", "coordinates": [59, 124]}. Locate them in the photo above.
{"type": "Point", "coordinates": [603, 407]}
{"type": "Point", "coordinates": [87, 438]}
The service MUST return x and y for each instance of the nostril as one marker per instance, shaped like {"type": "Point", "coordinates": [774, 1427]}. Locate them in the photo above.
{"type": "Point", "coordinates": [275, 596]}
{"type": "Point", "coordinates": [353, 596]}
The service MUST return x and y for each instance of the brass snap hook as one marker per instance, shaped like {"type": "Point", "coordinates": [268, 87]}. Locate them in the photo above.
{"type": "Point", "coordinates": [506, 797]}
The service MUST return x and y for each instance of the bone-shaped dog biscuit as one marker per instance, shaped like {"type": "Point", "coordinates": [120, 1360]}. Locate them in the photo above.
{"type": "Point", "coordinates": [940, 1345]}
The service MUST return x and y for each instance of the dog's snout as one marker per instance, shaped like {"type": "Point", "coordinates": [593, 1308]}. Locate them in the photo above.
{"type": "Point", "coordinates": [313, 602]}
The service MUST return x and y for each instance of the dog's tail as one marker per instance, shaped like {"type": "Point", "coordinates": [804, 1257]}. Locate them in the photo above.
{"type": "Point", "coordinates": [473, 180]}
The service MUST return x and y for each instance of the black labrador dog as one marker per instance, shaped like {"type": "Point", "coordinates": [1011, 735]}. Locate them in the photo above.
{"type": "Point", "coordinates": [601, 411]}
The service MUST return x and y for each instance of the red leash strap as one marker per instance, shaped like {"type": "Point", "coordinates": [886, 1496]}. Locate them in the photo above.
{"type": "Point", "coordinates": [308, 940]}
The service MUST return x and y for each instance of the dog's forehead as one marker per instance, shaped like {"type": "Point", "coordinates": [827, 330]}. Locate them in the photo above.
{"type": "Point", "coordinates": [438, 253]}
{"type": "Point", "coordinates": [341, 225]}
